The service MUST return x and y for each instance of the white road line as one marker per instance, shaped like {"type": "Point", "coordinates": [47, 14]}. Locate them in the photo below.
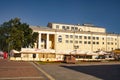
{"type": "Point", "coordinates": [46, 74]}
{"type": "Point", "coordinates": [12, 78]}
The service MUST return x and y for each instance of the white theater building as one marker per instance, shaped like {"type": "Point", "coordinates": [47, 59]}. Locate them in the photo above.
{"type": "Point", "coordinates": [57, 40]}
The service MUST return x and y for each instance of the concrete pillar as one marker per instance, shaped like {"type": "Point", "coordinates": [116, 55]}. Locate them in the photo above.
{"type": "Point", "coordinates": [47, 42]}
{"type": "Point", "coordinates": [39, 42]}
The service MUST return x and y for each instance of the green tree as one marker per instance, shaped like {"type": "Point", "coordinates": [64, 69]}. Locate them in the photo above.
{"type": "Point", "coordinates": [16, 35]}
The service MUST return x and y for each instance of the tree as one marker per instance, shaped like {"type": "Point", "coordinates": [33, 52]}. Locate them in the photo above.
{"type": "Point", "coordinates": [16, 35]}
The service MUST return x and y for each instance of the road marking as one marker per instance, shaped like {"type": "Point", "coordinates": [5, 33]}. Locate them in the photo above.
{"type": "Point", "coordinates": [11, 78]}
{"type": "Point", "coordinates": [46, 74]}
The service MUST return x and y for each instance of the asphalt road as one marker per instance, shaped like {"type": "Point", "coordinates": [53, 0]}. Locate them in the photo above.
{"type": "Point", "coordinates": [84, 71]}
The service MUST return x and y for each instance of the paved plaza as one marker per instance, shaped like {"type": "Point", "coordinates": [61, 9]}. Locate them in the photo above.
{"type": "Point", "coordinates": [19, 70]}
{"type": "Point", "coordinates": [83, 71]}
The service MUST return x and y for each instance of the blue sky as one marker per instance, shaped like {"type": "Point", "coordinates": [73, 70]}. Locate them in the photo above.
{"type": "Point", "coordinates": [104, 13]}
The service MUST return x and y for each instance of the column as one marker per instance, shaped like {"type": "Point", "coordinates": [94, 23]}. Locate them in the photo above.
{"type": "Point", "coordinates": [39, 41]}
{"type": "Point", "coordinates": [47, 42]}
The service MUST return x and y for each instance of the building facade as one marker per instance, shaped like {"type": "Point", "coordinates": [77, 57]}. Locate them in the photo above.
{"type": "Point", "coordinates": [56, 41]}
{"type": "Point", "coordinates": [86, 37]}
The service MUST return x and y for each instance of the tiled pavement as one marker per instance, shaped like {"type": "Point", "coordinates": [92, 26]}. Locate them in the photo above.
{"type": "Point", "coordinates": [19, 70]}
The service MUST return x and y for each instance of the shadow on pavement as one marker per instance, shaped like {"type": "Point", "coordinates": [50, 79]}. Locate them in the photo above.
{"type": "Point", "coordinates": [105, 72]}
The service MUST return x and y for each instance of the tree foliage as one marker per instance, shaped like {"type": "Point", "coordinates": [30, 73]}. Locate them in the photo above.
{"type": "Point", "coordinates": [16, 35]}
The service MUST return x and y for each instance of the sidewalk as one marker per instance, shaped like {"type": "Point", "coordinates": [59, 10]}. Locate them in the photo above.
{"type": "Point", "coordinates": [18, 70]}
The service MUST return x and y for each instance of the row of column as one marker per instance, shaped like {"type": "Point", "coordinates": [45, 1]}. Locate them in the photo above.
{"type": "Point", "coordinates": [47, 41]}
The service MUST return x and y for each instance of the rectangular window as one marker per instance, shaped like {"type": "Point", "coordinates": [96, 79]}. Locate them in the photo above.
{"type": "Point", "coordinates": [67, 36]}
{"type": "Point", "coordinates": [63, 27]}
{"type": "Point", "coordinates": [76, 28]}
{"type": "Point", "coordinates": [89, 42]}
{"type": "Point", "coordinates": [76, 42]}
{"type": "Point", "coordinates": [85, 37]}
{"type": "Point", "coordinates": [97, 38]}
{"type": "Point", "coordinates": [89, 37]}
{"type": "Point", "coordinates": [93, 42]}
{"type": "Point", "coordinates": [93, 38]}
{"type": "Point", "coordinates": [71, 36]}
{"type": "Point", "coordinates": [80, 37]}
{"type": "Point", "coordinates": [85, 42]}
{"type": "Point", "coordinates": [97, 42]}
{"type": "Point", "coordinates": [57, 26]}
{"type": "Point", "coordinates": [67, 27]}
{"type": "Point", "coordinates": [67, 41]}
{"type": "Point", "coordinates": [72, 28]}
{"type": "Point", "coordinates": [76, 37]}
{"type": "Point", "coordinates": [80, 42]}
{"type": "Point", "coordinates": [71, 41]}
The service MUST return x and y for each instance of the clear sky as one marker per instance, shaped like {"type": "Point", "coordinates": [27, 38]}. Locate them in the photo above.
{"type": "Point", "coordinates": [104, 13]}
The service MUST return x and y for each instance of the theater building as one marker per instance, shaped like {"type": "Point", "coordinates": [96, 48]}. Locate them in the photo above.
{"type": "Point", "coordinates": [77, 39]}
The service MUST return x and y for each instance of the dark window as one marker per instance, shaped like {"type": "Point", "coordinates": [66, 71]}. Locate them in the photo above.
{"type": "Point", "coordinates": [89, 42]}
{"type": "Point", "coordinates": [59, 38]}
{"type": "Point", "coordinates": [85, 37]}
{"type": "Point", "coordinates": [34, 55]}
{"type": "Point", "coordinates": [71, 36]}
{"type": "Point", "coordinates": [80, 37]}
{"type": "Point", "coordinates": [89, 37]}
{"type": "Point", "coordinates": [85, 42]}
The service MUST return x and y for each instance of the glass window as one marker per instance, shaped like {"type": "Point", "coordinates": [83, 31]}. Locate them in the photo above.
{"type": "Point", "coordinates": [71, 41]}
{"type": "Point", "coordinates": [93, 42]}
{"type": "Point", "coordinates": [97, 42]}
{"type": "Point", "coordinates": [80, 37]}
{"type": "Point", "coordinates": [76, 42]}
{"type": "Point", "coordinates": [67, 41]}
{"type": "Point", "coordinates": [76, 28]}
{"type": "Point", "coordinates": [97, 38]}
{"type": "Point", "coordinates": [89, 42]}
{"type": "Point", "coordinates": [80, 42]}
{"type": "Point", "coordinates": [93, 38]}
{"type": "Point", "coordinates": [71, 36]}
{"type": "Point", "coordinates": [72, 28]}
{"type": "Point", "coordinates": [76, 37]}
{"type": "Point", "coordinates": [89, 37]}
{"type": "Point", "coordinates": [67, 36]}
{"type": "Point", "coordinates": [67, 27]}
{"type": "Point", "coordinates": [85, 37]}
{"type": "Point", "coordinates": [85, 42]}
{"type": "Point", "coordinates": [57, 26]}
{"type": "Point", "coordinates": [59, 38]}
{"type": "Point", "coordinates": [63, 27]}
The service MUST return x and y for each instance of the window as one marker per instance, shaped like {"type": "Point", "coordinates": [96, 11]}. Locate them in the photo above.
{"type": "Point", "coordinates": [34, 55]}
{"type": "Point", "coordinates": [103, 43]}
{"type": "Point", "coordinates": [71, 41]}
{"type": "Point", "coordinates": [57, 26]}
{"type": "Point", "coordinates": [63, 27]}
{"type": "Point", "coordinates": [76, 42]}
{"type": "Point", "coordinates": [72, 28]}
{"type": "Point", "coordinates": [89, 37]}
{"type": "Point", "coordinates": [67, 36]}
{"type": "Point", "coordinates": [93, 38]}
{"type": "Point", "coordinates": [89, 42]}
{"type": "Point", "coordinates": [67, 27]}
{"type": "Point", "coordinates": [85, 37]}
{"type": "Point", "coordinates": [59, 38]}
{"type": "Point", "coordinates": [85, 42]}
{"type": "Point", "coordinates": [76, 37]}
{"type": "Point", "coordinates": [71, 36]}
{"type": "Point", "coordinates": [102, 38]}
{"type": "Point", "coordinates": [67, 41]}
{"type": "Point", "coordinates": [76, 28]}
{"type": "Point", "coordinates": [97, 38]}
{"type": "Point", "coordinates": [80, 37]}
{"type": "Point", "coordinates": [93, 42]}
{"type": "Point", "coordinates": [97, 42]}
{"type": "Point", "coordinates": [80, 42]}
